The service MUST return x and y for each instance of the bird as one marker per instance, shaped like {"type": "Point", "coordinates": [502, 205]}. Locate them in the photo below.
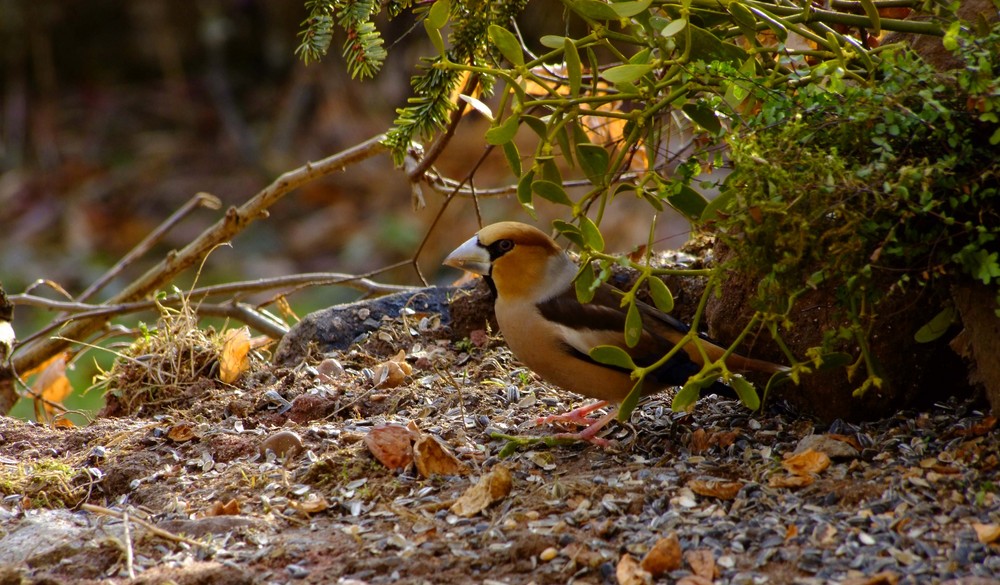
{"type": "Point", "coordinates": [552, 333]}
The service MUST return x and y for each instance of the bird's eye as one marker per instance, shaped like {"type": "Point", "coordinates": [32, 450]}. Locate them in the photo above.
{"type": "Point", "coordinates": [505, 245]}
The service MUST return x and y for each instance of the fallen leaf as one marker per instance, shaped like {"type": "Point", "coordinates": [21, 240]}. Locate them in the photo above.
{"type": "Point", "coordinates": [234, 358]}
{"type": "Point", "coordinates": [433, 458]}
{"type": "Point", "coordinates": [699, 441]}
{"type": "Point", "coordinates": [986, 533]}
{"type": "Point", "coordinates": [491, 487]}
{"type": "Point", "coordinates": [629, 572]}
{"type": "Point", "coordinates": [181, 432]}
{"type": "Point", "coordinates": [702, 563]}
{"type": "Point", "coordinates": [665, 556]}
{"type": "Point", "coordinates": [50, 387]}
{"type": "Point", "coordinates": [230, 508]}
{"type": "Point", "coordinates": [724, 438]}
{"type": "Point", "coordinates": [392, 445]}
{"type": "Point", "coordinates": [715, 488]}
{"type": "Point", "coordinates": [393, 372]}
{"type": "Point", "coordinates": [790, 481]}
{"type": "Point", "coordinates": [311, 505]}
{"type": "Point", "coordinates": [791, 532]}
{"type": "Point", "coordinates": [807, 462]}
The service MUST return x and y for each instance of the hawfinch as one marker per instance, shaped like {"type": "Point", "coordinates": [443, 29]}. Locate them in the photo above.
{"type": "Point", "coordinates": [552, 333]}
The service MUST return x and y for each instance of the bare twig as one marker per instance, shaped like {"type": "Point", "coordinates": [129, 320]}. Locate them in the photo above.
{"type": "Point", "coordinates": [199, 200]}
{"type": "Point", "coordinates": [129, 554]}
{"type": "Point", "coordinates": [236, 219]}
{"type": "Point", "coordinates": [93, 509]}
{"type": "Point", "coordinates": [245, 313]}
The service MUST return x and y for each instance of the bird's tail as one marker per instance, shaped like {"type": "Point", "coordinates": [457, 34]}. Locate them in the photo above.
{"type": "Point", "coordinates": [745, 364]}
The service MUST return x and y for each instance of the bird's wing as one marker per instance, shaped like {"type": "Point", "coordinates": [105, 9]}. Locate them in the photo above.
{"type": "Point", "coordinates": [602, 322]}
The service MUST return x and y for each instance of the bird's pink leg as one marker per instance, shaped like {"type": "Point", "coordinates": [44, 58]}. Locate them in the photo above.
{"type": "Point", "coordinates": [577, 416]}
{"type": "Point", "coordinates": [589, 434]}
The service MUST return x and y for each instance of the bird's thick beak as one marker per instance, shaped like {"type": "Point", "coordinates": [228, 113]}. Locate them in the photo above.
{"type": "Point", "coordinates": [470, 256]}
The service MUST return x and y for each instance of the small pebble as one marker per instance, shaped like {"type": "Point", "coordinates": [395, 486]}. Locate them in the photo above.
{"type": "Point", "coordinates": [282, 444]}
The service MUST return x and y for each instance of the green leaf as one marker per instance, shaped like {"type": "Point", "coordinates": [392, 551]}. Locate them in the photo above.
{"type": "Point", "coordinates": [554, 192]}
{"type": "Point", "coordinates": [562, 137]}
{"type": "Point", "coordinates": [633, 325]}
{"type": "Point", "coordinates": [584, 283]}
{"type": "Point", "coordinates": [630, 9]}
{"type": "Point", "coordinates": [574, 69]}
{"type": "Point", "coordinates": [936, 327]}
{"type": "Point", "coordinates": [552, 41]}
{"type": "Point", "coordinates": [626, 73]}
{"type": "Point", "coordinates": [745, 390]}
{"type": "Point", "coordinates": [593, 9]}
{"type": "Point", "coordinates": [662, 297]}
{"type": "Point", "coordinates": [744, 20]}
{"type": "Point", "coordinates": [704, 116]}
{"type": "Point", "coordinates": [570, 232]}
{"type": "Point", "coordinates": [506, 42]}
{"type": "Point", "coordinates": [524, 193]}
{"type": "Point", "coordinates": [591, 234]}
{"type": "Point", "coordinates": [435, 36]}
{"type": "Point", "coordinates": [995, 138]}
{"type": "Point", "coordinates": [673, 27]}
{"type": "Point", "coordinates": [686, 396]}
{"type": "Point", "coordinates": [594, 160]}
{"type": "Point", "coordinates": [513, 157]}
{"type": "Point", "coordinates": [707, 47]}
{"type": "Point", "coordinates": [502, 133]}
{"type": "Point", "coordinates": [689, 202]}
{"type": "Point", "coordinates": [437, 16]}
{"type": "Point", "coordinates": [720, 202]}
{"type": "Point", "coordinates": [628, 405]}
{"type": "Point", "coordinates": [612, 355]}
{"type": "Point", "coordinates": [536, 124]}
{"type": "Point", "coordinates": [873, 16]}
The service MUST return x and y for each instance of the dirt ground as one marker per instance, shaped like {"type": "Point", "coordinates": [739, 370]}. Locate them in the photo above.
{"type": "Point", "coordinates": [181, 484]}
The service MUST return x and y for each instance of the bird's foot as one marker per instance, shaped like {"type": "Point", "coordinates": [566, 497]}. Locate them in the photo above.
{"type": "Point", "coordinates": [577, 416]}
{"type": "Point", "coordinates": [594, 426]}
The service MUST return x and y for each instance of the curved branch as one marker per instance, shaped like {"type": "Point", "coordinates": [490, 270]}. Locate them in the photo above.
{"type": "Point", "coordinates": [236, 219]}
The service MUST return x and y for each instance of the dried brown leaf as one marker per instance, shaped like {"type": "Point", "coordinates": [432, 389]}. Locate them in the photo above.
{"type": "Point", "coordinates": [50, 387]}
{"type": "Point", "coordinates": [702, 563]}
{"type": "Point", "coordinates": [181, 432]}
{"type": "Point", "coordinates": [715, 488]}
{"type": "Point", "coordinates": [392, 445]}
{"type": "Point", "coordinates": [311, 505]}
{"type": "Point", "coordinates": [230, 508]}
{"type": "Point", "coordinates": [699, 441]}
{"type": "Point", "coordinates": [492, 487]}
{"type": "Point", "coordinates": [629, 572]}
{"type": "Point", "coordinates": [807, 462]}
{"type": "Point", "coordinates": [434, 458]}
{"type": "Point", "coordinates": [234, 357]}
{"type": "Point", "coordinates": [790, 481]}
{"type": "Point", "coordinates": [664, 556]}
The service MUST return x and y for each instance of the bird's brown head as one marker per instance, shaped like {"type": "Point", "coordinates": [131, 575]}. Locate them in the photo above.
{"type": "Point", "coordinates": [520, 261]}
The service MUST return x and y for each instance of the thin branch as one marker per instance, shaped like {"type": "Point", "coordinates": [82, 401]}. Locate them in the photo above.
{"type": "Point", "coordinates": [236, 219]}
{"type": "Point", "coordinates": [140, 249]}
{"type": "Point", "coordinates": [147, 525]}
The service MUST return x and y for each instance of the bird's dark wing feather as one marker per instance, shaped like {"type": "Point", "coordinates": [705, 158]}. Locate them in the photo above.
{"type": "Point", "coordinates": [602, 322]}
